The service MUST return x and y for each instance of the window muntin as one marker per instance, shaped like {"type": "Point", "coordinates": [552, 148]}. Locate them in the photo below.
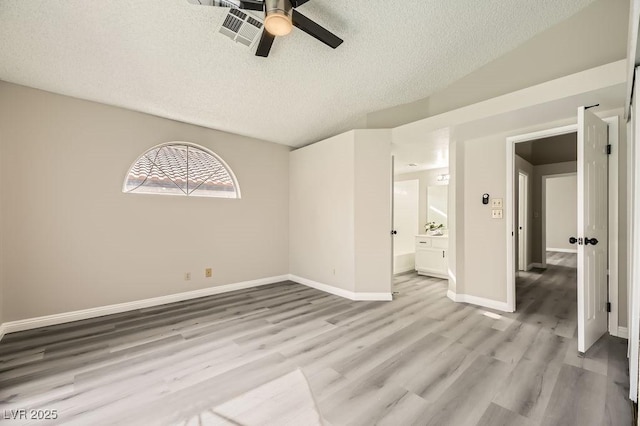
{"type": "Point", "coordinates": [179, 168]}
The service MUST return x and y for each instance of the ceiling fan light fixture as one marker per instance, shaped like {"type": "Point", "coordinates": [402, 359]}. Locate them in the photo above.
{"type": "Point", "coordinates": [278, 17]}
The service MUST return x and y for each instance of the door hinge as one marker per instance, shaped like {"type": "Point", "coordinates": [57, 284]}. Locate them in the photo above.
{"type": "Point", "coordinates": [608, 306]}
{"type": "Point", "coordinates": [609, 149]}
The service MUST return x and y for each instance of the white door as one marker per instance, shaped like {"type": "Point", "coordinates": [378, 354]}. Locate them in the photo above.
{"type": "Point", "coordinates": [405, 223]}
{"type": "Point", "coordinates": [522, 215]}
{"type": "Point", "coordinates": [592, 228]}
{"type": "Point", "coordinates": [391, 225]}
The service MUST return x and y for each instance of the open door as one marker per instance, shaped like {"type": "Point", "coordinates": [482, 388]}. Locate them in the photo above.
{"type": "Point", "coordinates": [522, 221]}
{"type": "Point", "coordinates": [592, 228]}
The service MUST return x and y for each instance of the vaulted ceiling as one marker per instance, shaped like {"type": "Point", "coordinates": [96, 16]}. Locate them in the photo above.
{"type": "Point", "coordinates": [167, 57]}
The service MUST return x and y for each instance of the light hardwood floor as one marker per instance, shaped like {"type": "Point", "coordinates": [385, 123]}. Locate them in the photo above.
{"type": "Point", "coordinates": [420, 359]}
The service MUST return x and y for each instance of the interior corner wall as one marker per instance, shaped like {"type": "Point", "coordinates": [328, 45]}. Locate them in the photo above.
{"type": "Point", "coordinates": [340, 212]}
{"type": "Point", "coordinates": [426, 178]}
{"type": "Point", "coordinates": [321, 212]}
{"type": "Point", "coordinates": [372, 211]}
{"type": "Point", "coordinates": [455, 210]}
{"type": "Point", "coordinates": [72, 240]}
{"type": "Point", "coordinates": [537, 250]}
{"type": "Point", "coordinates": [595, 36]}
{"type": "Point", "coordinates": [485, 246]}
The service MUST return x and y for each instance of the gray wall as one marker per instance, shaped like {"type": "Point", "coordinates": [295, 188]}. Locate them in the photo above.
{"type": "Point", "coordinates": [561, 213]}
{"type": "Point", "coordinates": [595, 36]}
{"type": "Point", "coordinates": [72, 240]}
{"type": "Point", "coordinates": [340, 215]}
{"type": "Point", "coordinates": [538, 251]}
{"type": "Point", "coordinates": [526, 167]}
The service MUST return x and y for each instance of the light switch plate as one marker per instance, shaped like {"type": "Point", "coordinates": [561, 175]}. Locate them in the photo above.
{"type": "Point", "coordinates": [496, 203]}
{"type": "Point", "coordinates": [496, 214]}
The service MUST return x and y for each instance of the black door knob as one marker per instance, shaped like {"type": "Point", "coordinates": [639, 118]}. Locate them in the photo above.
{"type": "Point", "coordinates": [394, 232]}
{"type": "Point", "coordinates": [592, 241]}
{"type": "Point", "coordinates": [573, 240]}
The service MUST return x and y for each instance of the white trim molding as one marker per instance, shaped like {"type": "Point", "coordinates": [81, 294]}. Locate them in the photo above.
{"type": "Point", "coordinates": [351, 295]}
{"type": "Point", "coordinates": [562, 250]}
{"type": "Point", "coordinates": [44, 321]}
{"type": "Point", "coordinates": [480, 301]}
{"type": "Point", "coordinates": [623, 333]}
{"type": "Point", "coordinates": [2, 331]}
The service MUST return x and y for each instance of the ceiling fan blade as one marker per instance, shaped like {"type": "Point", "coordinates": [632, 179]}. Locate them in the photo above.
{"type": "Point", "coordinates": [240, 4]}
{"type": "Point", "coordinates": [264, 47]}
{"type": "Point", "coordinates": [298, 3]}
{"type": "Point", "coordinates": [315, 30]}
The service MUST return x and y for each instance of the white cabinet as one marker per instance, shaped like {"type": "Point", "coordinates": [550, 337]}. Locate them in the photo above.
{"type": "Point", "coordinates": [431, 255]}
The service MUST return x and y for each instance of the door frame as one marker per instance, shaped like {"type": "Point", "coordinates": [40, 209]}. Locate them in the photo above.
{"type": "Point", "coordinates": [613, 132]}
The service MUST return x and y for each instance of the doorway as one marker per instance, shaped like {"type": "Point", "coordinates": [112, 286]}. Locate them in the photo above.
{"type": "Point", "coordinates": [523, 214]}
{"type": "Point", "coordinates": [405, 224]}
{"type": "Point", "coordinates": [610, 219]}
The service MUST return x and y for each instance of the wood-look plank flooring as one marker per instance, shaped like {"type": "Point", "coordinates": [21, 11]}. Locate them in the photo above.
{"type": "Point", "coordinates": [420, 359]}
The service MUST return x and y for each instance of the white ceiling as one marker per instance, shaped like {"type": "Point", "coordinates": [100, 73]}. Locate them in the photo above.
{"type": "Point", "coordinates": [165, 57]}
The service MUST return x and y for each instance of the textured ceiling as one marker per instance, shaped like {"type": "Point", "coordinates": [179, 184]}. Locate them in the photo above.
{"type": "Point", "coordinates": [165, 57]}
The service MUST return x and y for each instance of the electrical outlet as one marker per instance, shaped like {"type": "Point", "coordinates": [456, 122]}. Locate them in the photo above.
{"type": "Point", "coordinates": [496, 214]}
{"type": "Point", "coordinates": [496, 203]}
{"type": "Point", "coordinates": [187, 276]}
{"type": "Point", "coordinates": [208, 273]}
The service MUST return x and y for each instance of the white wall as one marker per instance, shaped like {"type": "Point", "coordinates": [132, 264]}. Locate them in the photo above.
{"type": "Point", "coordinates": [340, 212]}
{"type": "Point", "coordinates": [561, 212]}
{"type": "Point", "coordinates": [72, 240]}
{"type": "Point", "coordinates": [484, 243]}
{"type": "Point", "coordinates": [372, 212]}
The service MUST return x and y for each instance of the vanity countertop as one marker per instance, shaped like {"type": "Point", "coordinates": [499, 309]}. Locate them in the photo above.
{"type": "Point", "coordinates": [433, 236]}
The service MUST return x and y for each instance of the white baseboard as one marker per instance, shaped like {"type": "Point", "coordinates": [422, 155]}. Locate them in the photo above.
{"type": "Point", "coordinates": [480, 301]}
{"type": "Point", "coordinates": [339, 291]}
{"type": "Point", "coordinates": [534, 265]}
{"type": "Point", "coordinates": [44, 321]}
{"type": "Point", "coordinates": [562, 250]}
{"type": "Point", "coordinates": [623, 332]}
{"type": "Point", "coordinates": [2, 331]}
{"type": "Point", "coordinates": [397, 271]}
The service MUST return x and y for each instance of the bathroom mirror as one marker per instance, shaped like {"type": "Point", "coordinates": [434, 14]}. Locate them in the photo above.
{"type": "Point", "coordinates": [437, 204]}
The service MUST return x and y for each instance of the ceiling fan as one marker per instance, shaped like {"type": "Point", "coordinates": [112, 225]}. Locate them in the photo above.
{"type": "Point", "coordinates": [280, 17]}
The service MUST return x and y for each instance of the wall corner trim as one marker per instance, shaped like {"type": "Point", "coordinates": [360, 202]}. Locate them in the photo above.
{"type": "Point", "coordinates": [480, 301]}
{"type": "Point", "coordinates": [351, 295]}
{"type": "Point", "coordinates": [623, 333]}
{"type": "Point", "coordinates": [44, 321]}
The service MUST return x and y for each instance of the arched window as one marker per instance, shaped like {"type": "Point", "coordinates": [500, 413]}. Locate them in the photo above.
{"type": "Point", "coordinates": [180, 168]}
